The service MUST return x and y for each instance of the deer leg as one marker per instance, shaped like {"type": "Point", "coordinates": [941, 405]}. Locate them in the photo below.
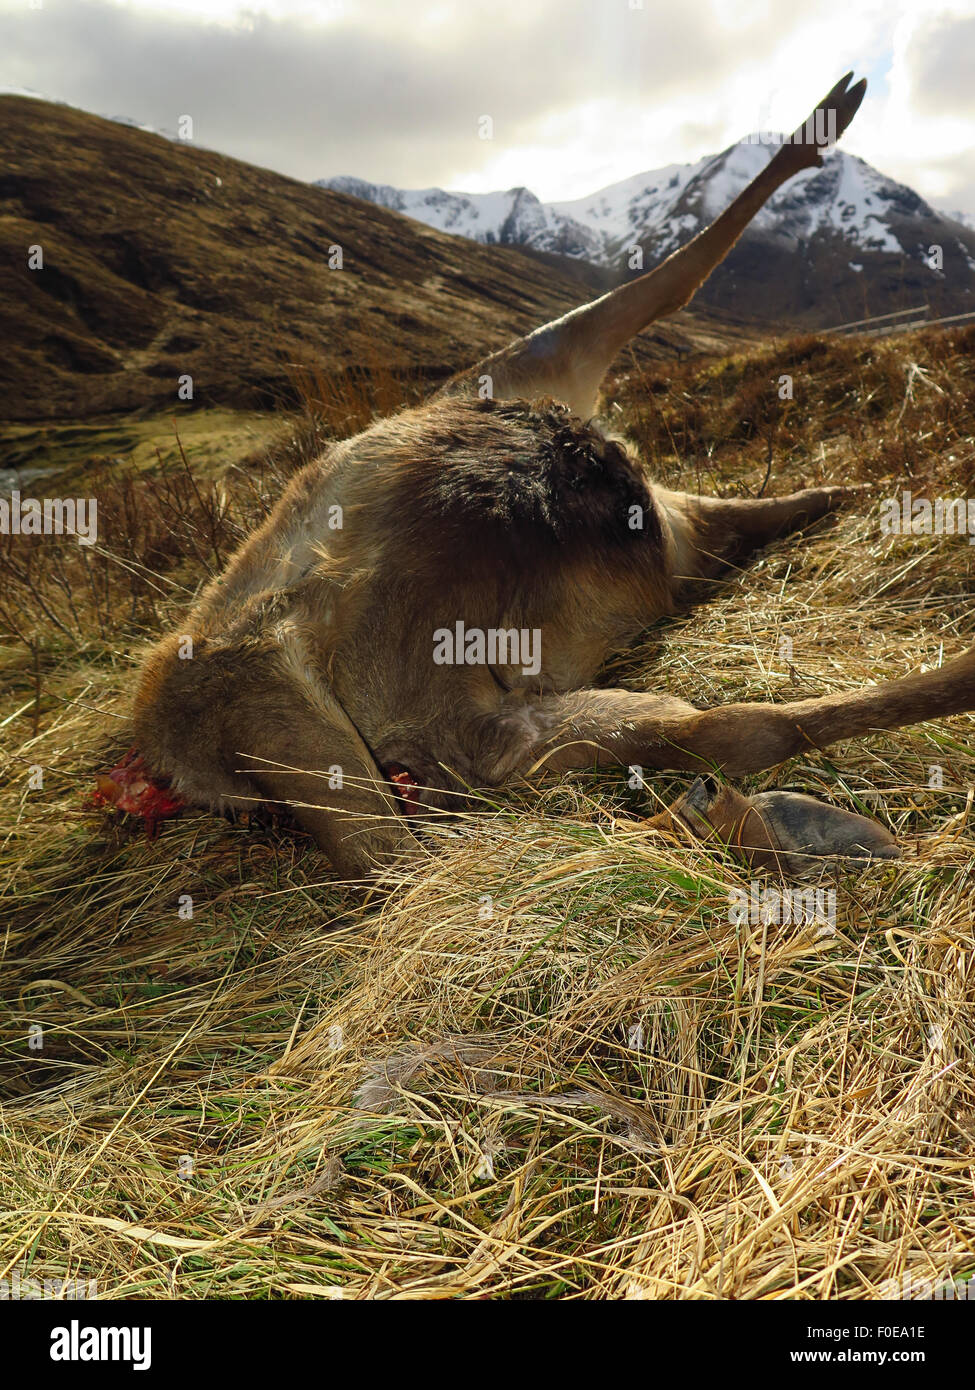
{"type": "Point", "coordinates": [568, 358]}
{"type": "Point", "coordinates": [711, 533]}
{"type": "Point", "coordinates": [778, 832]}
{"type": "Point", "coordinates": [609, 727]}
{"type": "Point", "coordinates": [249, 722]}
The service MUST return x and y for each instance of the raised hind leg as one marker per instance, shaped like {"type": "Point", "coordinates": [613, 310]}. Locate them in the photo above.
{"type": "Point", "coordinates": [568, 358]}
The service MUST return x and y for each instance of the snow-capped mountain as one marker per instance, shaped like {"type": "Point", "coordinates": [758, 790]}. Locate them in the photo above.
{"type": "Point", "coordinates": [832, 242]}
{"type": "Point", "coordinates": [967, 219]}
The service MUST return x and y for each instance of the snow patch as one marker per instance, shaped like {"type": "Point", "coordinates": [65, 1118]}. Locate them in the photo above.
{"type": "Point", "coordinates": [666, 206]}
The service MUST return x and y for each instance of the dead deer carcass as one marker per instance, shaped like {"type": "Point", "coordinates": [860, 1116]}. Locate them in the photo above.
{"type": "Point", "coordinates": [320, 674]}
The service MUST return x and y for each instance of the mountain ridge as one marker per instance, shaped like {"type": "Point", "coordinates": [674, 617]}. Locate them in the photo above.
{"type": "Point", "coordinates": [864, 236]}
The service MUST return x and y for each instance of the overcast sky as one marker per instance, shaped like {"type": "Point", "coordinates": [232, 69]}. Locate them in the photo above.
{"type": "Point", "coordinates": [580, 92]}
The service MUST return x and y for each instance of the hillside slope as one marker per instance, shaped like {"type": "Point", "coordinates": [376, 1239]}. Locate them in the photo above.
{"type": "Point", "coordinates": [162, 259]}
{"type": "Point", "coordinates": [549, 1063]}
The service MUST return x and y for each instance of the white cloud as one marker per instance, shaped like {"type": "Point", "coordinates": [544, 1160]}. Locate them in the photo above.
{"type": "Point", "coordinates": [582, 92]}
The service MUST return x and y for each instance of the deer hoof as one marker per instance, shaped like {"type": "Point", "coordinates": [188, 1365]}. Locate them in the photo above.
{"type": "Point", "coordinates": [783, 832]}
{"type": "Point", "coordinates": [803, 829]}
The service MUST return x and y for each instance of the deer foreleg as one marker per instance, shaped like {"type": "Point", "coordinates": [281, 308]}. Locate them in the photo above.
{"type": "Point", "coordinates": [781, 832]}
{"type": "Point", "coordinates": [712, 532]}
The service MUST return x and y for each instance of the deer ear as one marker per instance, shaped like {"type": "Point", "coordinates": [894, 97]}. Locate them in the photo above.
{"type": "Point", "coordinates": [241, 723]}
{"type": "Point", "coordinates": [319, 766]}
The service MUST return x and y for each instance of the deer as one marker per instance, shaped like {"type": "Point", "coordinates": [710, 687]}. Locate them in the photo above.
{"type": "Point", "coordinates": [307, 674]}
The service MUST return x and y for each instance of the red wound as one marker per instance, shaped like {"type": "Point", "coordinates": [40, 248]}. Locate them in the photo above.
{"type": "Point", "coordinates": [130, 787]}
{"type": "Point", "coordinates": [406, 787]}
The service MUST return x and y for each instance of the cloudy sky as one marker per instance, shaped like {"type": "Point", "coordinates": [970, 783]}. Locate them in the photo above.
{"type": "Point", "coordinates": [580, 92]}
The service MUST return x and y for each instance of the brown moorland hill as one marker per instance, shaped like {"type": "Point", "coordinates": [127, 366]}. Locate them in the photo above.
{"type": "Point", "coordinates": [161, 258]}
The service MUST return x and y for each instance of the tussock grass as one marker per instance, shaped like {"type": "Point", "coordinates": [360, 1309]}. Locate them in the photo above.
{"type": "Point", "coordinates": [548, 1063]}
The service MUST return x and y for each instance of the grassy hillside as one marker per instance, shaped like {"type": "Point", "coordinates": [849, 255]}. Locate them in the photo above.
{"type": "Point", "coordinates": [577, 1076]}
{"type": "Point", "coordinates": [161, 259]}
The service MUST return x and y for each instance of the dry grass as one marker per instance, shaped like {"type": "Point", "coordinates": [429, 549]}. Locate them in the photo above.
{"type": "Point", "coordinates": [577, 1077]}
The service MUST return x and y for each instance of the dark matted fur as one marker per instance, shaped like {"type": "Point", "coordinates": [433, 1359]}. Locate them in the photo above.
{"type": "Point", "coordinates": [534, 473]}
